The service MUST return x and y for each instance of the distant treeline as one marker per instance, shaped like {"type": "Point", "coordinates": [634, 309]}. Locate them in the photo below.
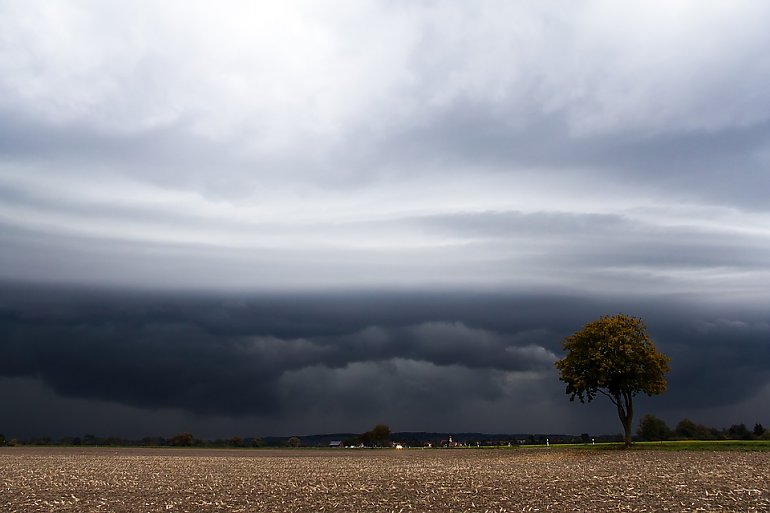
{"type": "Point", "coordinates": [651, 428]}
{"type": "Point", "coordinates": [406, 439]}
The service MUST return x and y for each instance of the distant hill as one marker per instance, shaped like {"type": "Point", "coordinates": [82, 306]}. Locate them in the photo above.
{"type": "Point", "coordinates": [422, 438]}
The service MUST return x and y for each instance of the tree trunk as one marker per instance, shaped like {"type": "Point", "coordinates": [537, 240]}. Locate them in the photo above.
{"type": "Point", "coordinates": [627, 428]}
{"type": "Point", "coordinates": [625, 405]}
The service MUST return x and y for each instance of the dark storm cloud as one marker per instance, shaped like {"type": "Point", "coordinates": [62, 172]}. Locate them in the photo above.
{"type": "Point", "coordinates": [576, 239]}
{"type": "Point", "coordinates": [574, 251]}
{"type": "Point", "coordinates": [492, 144]}
{"type": "Point", "coordinates": [363, 356]}
{"type": "Point", "coordinates": [700, 165]}
{"type": "Point", "coordinates": [719, 360]}
{"type": "Point", "coordinates": [481, 178]}
{"type": "Point", "coordinates": [168, 157]}
{"type": "Point", "coordinates": [198, 355]}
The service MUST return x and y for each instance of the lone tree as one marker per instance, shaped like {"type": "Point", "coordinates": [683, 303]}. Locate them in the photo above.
{"type": "Point", "coordinates": [379, 436]}
{"type": "Point", "coordinates": [615, 357]}
{"type": "Point", "coordinates": [183, 440]}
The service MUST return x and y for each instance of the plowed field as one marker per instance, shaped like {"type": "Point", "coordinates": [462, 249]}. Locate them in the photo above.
{"type": "Point", "coordinates": [144, 480]}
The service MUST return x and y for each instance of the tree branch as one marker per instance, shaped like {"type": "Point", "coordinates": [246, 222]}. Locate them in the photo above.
{"type": "Point", "coordinates": [627, 400]}
{"type": "Point", "coordinates": [611, 398]}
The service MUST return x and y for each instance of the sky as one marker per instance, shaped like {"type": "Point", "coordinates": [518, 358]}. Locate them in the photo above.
{"type": "Point", "coordinates": [249, 218]}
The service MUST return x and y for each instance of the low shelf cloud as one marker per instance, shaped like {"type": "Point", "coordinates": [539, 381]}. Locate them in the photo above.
{"type": "Point", "coordinates": [295, 362]}
{"type": "Point", "coordinates": [297, 218]}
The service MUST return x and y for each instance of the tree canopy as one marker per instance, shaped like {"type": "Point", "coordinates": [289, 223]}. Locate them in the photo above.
{"type": "Point", "coordinates": [182, 440]}
{"type": "Point", "coordinates": [378, 436]}
{"type": "Point", "coordinates": [615, 357]}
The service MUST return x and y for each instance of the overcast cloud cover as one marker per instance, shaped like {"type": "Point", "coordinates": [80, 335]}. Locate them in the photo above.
{"type": "Point", "coordinates": [256, 218]}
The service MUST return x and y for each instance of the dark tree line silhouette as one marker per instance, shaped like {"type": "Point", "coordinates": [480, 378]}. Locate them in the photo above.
{"type": "Point", "coordinates": [653, 429]}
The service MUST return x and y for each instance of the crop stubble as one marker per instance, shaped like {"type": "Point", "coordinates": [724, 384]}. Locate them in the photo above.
{"type": "Point", "coordinates": [141, 480]}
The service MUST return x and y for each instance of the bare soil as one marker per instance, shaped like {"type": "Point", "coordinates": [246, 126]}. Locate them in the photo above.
{"type": "Point", "coordinates": [152, 480]}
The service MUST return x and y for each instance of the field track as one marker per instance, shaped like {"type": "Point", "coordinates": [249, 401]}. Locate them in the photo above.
{"type": "Point", "coordinates": [154, 480]}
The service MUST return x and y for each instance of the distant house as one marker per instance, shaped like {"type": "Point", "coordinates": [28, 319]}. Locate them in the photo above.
{"type": "Point", "coordinates": [337, 444]}
{"type": "Point", "coordinates": [450, 443]}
